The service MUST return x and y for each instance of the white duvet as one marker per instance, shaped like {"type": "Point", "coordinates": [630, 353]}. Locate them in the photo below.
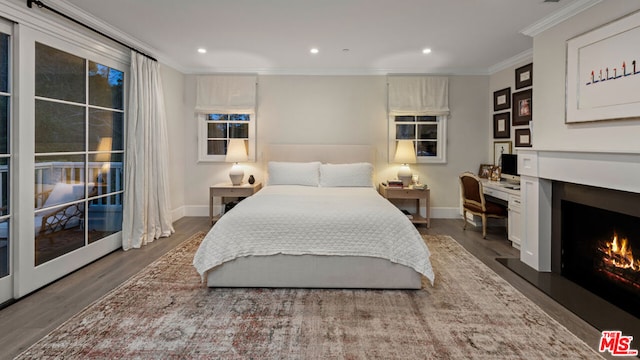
{"type": "Point", "coordinates": [299, 220]}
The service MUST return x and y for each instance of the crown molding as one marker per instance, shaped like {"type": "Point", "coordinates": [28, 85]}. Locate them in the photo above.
{"type": "Point", "coordinates": [559, 16]}
{"type": "Point", "coordinates": [104, 27]}
{"type": "Point", "coordinates": [525, 56]}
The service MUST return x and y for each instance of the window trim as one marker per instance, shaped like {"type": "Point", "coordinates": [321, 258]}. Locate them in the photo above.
{"type": "Point", "coordinates": [441, 140]}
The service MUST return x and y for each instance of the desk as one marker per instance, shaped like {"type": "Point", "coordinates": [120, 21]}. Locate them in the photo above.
{"type": "Point", "coordinates": [501, 192]}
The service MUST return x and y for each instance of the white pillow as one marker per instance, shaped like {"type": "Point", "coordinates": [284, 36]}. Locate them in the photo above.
{"type": "Point", "coordinates": [352, 175]}
{"type": "Point", "coordinates": [294, 173]}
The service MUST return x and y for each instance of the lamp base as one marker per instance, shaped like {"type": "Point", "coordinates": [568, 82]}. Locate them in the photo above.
{"type": "Point", "coordinates": [405, 175]}
{"type": "Point", "coordinates": [236, 174]}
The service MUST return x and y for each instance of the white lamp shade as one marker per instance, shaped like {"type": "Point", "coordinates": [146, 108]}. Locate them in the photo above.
{"type": "Point", "coordinates": [237, 151]}
{"type": "Point", "coordinates": [405, 152]}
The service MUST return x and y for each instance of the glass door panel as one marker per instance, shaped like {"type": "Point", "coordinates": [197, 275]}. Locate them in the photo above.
{"type": "Point", "coordinates": [6, 245]}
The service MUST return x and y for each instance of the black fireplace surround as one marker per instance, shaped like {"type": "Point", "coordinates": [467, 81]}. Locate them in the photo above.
{"type": "Point", "coordinates": [585, 222]}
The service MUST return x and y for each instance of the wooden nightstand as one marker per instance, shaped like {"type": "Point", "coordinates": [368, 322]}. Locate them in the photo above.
{"type": "Point", "coordinates": [226, 190]}
{"type": "Point", "coordinates": [409, 193]}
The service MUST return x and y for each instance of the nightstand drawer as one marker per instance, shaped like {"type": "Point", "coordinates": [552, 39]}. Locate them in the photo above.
{"type": "Point", "coordinates": [233, 192]}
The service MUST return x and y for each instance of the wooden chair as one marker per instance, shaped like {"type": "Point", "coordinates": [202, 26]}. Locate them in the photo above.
{"type": "Point", "coordinates": [473, 201]}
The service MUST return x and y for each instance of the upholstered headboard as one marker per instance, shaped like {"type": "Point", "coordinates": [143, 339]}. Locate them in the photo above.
{"type": "Point", "coordinates": [334, 154]}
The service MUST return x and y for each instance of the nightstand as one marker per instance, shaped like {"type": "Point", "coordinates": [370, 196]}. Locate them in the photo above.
{"type": "Point", "coordinates": [227, 190]}
{"type": "Point", "coordinates": [412, 194]}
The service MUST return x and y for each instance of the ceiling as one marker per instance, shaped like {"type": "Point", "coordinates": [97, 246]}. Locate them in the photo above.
{"type": "Point", "coordinates": [352, 36]}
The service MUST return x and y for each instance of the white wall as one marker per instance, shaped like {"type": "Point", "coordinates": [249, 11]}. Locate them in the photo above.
{"type": "Point", "coordinates": [344, 110]}
{"type": "Point", "coordinates": [549, 58]}
{"type": "Point", "coordinates": [173, 87]}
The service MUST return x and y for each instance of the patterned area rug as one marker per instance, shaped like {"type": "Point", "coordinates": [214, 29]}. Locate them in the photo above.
{"type": "Point", "coordinates": [166, 312]}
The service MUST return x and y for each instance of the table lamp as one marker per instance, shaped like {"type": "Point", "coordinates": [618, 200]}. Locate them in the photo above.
{"type": "Point", "coordinates": [405, 154]}
{"type": "Point", "coordinates": [236, 152]}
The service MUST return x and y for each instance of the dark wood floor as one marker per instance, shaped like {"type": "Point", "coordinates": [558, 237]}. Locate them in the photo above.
{"type": "Point", "coordinates": [31, 318]}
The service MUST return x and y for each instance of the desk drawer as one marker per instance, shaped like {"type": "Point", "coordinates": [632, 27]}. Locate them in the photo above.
{"type": "Point", "coordinates": [514, 202]}
{"type": "Point", "coordinates": [496, 194]}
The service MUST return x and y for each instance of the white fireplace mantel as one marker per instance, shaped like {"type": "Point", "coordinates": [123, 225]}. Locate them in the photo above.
{"type": "Point", "coordinates": [539, 168]}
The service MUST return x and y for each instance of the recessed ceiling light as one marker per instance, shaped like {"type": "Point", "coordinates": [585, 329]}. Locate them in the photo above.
{"type": "Point", "coordinates": [202, 50]}
{"type": "Point", "coordinates": [426, 51]}
{"type": "Point", "coordinates": [314, 50]}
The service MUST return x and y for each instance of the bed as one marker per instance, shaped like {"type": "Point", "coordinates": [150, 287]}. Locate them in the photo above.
{"type": "Point", "coordinates": [316, 224]}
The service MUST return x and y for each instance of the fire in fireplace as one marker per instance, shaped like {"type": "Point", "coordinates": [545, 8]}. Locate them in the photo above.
{"type": "Point", "coordinates": [618, 262]}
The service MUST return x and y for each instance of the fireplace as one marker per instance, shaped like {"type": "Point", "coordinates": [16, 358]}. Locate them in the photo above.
{"type": "Point", "coordinates": [595, 232]}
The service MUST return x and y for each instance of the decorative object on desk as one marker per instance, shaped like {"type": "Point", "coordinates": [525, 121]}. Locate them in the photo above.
{"type": "Point", "coordinates": [499, 148]}
{"type": "Point", "coordinates": [523, 138]}
{"type": "Point", "coordinates": [522, 107]}
{"type": "Point", "coordinates": [524, 76]}
{"type": "Point", "coordinates": [415, 179]}
{"type": "Point", "coordinates": [502, 125]}
{"type": "Point", "coordinates": [603, 72]}
{"type": "Point", "coordinates": [405, 154]}
{"type": "Point", "coordinates": [251, 180]}
{"type": "Point", "coordinates": [502, 99]}
{"type": "Point", "coordinates": [495, 173]}
{"type": "Point", "coordinates": [236, 152]}
{"type": "Point", "coordinates": [485, 171]}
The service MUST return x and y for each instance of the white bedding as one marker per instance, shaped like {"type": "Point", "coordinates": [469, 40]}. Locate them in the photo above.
{"type": "Point", "coordinates": [299, 220]}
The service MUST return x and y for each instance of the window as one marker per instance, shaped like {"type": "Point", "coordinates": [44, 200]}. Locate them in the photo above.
{"type": "Point", "coordinates": [427, 132]}
{"type": "Point", "coordinates": [225, 105]}
{"type": "Point", "coordinates": [418, 111]}
{"type": "Point", "coordinates": [79, 152]}
{"type": "Point", "coordinates": [222, 127]}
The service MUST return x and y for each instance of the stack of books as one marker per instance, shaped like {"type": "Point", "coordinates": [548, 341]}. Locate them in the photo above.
{"type": "Point", "coordinates": [394, 183]}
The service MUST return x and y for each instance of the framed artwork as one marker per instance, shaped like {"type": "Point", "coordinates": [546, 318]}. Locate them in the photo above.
{"type": "Point", "coordinates": [499, 148]}
{"type": "Point", "coordinates": [524, 76]}
{"type": "Point", "coordinates": [484, 171]}
{"type": "Point", "coordinates": [502, 99]}
{"type": "Point", "coordinates": [523, 138]}
{"type": "Point", "coordinates": [501, 125]}
{"type": "Point", "coordinates": [603, 72]}
{"type": "Point", "coordinates": [522, 107]}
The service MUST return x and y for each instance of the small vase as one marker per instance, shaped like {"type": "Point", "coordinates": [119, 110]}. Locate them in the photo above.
{"type": "Point", "coordinates": [251, 179]}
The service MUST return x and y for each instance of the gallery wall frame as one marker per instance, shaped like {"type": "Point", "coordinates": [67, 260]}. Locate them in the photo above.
{"type": "Point", "coordinates": [502, 125]}
{"type": "Point", "coordinates": [522, 110]}
{"type": "Point", "coordinates": [499, 148]}
{"type": "Point", "coordinates": [524, 76]}
{"type": "Point", "coordinates": [523, 137]}
{"type": "Point", "coordinates": [502, 99]}
{"type": "Point", "coordinates": [603, 72]}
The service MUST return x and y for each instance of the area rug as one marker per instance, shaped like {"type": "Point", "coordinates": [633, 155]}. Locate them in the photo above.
{"type": "Point", "coordinates": [165, 312]}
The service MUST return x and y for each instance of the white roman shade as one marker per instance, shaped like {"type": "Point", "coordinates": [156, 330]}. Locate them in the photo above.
{"type": "Point", "coordinates": [418, 95]}
{"type": "Point", "coordinates": [224, 94]}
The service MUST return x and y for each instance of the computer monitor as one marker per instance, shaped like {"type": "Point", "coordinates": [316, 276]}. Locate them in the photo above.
{"type": "Point", "coordinates": [509, 171]}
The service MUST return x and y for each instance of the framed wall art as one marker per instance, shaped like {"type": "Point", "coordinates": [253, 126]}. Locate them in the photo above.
{"type": "Point", "coordinates": [603, 72]}
{"type": "Point", "coordinates": [501, 125]}
{"type": "Point", "coordinates": [502, 99]}
{"type": "Point", "coordinates": [522, 107]}
{"type": "Point", "coordinates": [523, 138]}
{"type": "Point", "coordinates": [499, 148]}
{"type": "Point", "coordinates": [524, 76]}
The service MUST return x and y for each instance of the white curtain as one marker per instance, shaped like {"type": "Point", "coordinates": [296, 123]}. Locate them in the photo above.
{"type": "Point", "coordinates": [226, 94]}
{"type": "Point", "coordinates": [418, 95]}
{"type": "Point", "coordinates": [146, 203]}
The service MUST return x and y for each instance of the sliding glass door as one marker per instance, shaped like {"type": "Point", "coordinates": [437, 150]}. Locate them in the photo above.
{"type": "Point", "coordinates": [6, 246]}
{"type": "Point", "coordinates": [72, 122]}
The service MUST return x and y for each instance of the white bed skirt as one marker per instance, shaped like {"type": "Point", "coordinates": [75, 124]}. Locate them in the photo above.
{"type": "Point", "coordinates": [314, 271]}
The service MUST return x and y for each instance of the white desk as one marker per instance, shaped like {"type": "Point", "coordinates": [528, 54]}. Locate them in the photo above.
{"type": "Point", "coordinates": [506, 194]}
